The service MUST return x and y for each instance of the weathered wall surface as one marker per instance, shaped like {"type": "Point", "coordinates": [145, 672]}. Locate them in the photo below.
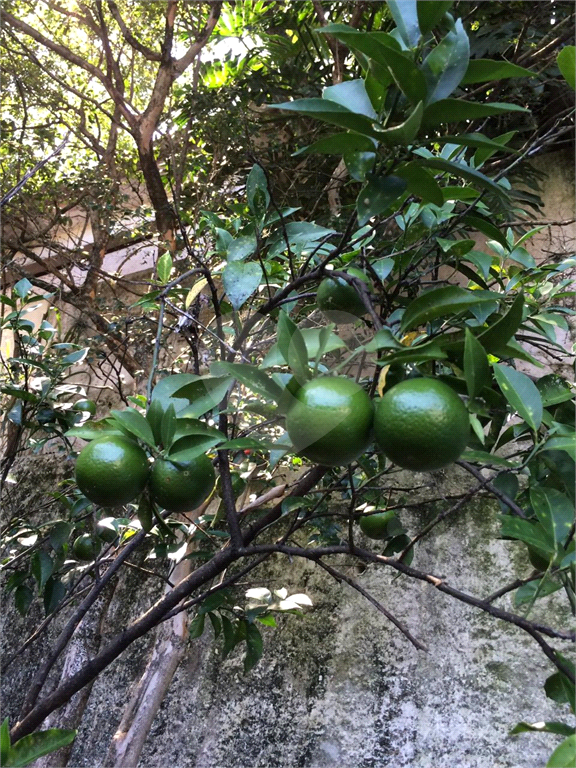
{"type": "Point", "coordinates": [341, 687]}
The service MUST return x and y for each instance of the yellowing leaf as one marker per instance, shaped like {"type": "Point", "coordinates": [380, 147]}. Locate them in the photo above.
{"type": "Point", "coordinates": [198, 286]}
{"type": "Point", "coordinates": [382, 380]}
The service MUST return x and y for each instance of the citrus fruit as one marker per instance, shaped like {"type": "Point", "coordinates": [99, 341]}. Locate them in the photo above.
{"type": "Point", "coordinates": [112, 470]}
{"type": "Point", "coordinates": [375, 524]}
{"type": "Point", "coordinates": [182, 487]}
{"type": "Point", "coordinates": [421, 424]}
{"type": "Point", "coordinates": [338, 299]}
{"type": "Point", "coordinates": [88, 406]}
{"type": "Point", "coordinates": [85, 547]}
{"type": "Point", "coordinates": [330, 421]}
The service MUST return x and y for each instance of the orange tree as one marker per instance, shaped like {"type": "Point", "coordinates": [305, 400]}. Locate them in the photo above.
{"type": "Point", "coordinates": [451, 297]}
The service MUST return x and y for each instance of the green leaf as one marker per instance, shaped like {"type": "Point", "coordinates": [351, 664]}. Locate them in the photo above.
{"type": "Point", "coordinates": [250, 443]}
{"type": "Point", "coordinates": [359, 164]}
{"type": "Point", "coordinates": [22, 288]}
{"type": "Point", "coordinates": [554, 511]}
{"type": "Point", "coordinates": [564, 756]}
{"type": "Point", "coordinates": [566, 61]}
{"type": "Point", "coordinates": [293, 347]}
{"type": "Point", "coordinates": [23, 597]}
{"type": "Point", "coordinates": [251, 377]}
{"type": "Point", "coordinates": [133, 421]}
{"type": "Point", "coordinates": [42, 567]}
{"type": "Point", "coordinates": [521, 393]}
{"type": "Point", "coordinates": [547, 727]}
{"type": "Point", "coordinates": [196, 628]}
{"type": "Point", "coordinates": [240, 281]}
{"type": "Point", "coordinates": [430, 12]}
{"type": "Point", "coordinates": [419, 353]}
{"type": "Point", "coordinates": [486, 227]}
{"type": "Point", "coordinates": [190, 447]}
{"type": "Point", "coordinates": [154, 416]}
{"type": "Point", "coordinates": [240, 248]}
{"type": "Point", "coordinates": [481, 457]}
{"type": "Point", "coordinates": [202, 395]}
{"type": "Point", "coordinates": [29, 748]}
{"type": "Point", "coordinates": [254, 647]}
{"type": "Point", "coordinates": [500, 333]}
{"type": "Point", "coordinates": [484, 153]}
{"type": "Point", "coordinates": [529, 592]}
{"type": "Point", "coordinates": [311, 338]}
{"type": "Point", "coordinates": [464, 172]}
{"type": "Point", "coordinates": [484, 70]}
{"type": "Point", "coordinates": [229, 632]}
{"type": "Point", "coordinates": [377, 196]}
{"type": "Point", "coordinates": [404, 133]}
{"type": "Point", "coordinates": [476, 367]}
{"type": "Point", "coordinates": [421, 183]}
{"type": "Point", "coordinates": [529, 532]}
{"type": "Point", "coordinates": [257, 191]}
{"type": "Point", "coordinates": [163, 396]}
{"type": "Point", "coordinates": [75, 357]}
{"type": "Point", "coordinates": [168, 426]}
{"type": "Point", "coordinates": [339, 144]}
{"type": "Point", "coordinates": [445, 65]}
{"type": "Point", "coordinates": [405, 14]}
{"type": "Point", "coordinates": [441, 302]}
{"type": "Point", "coordinates": [54, 592]}
{"type": "Point", "coordinates": [4, 741]}
{"type": "Point", "coordinates": [559, 687]}
{"type": "Point", "coordinates": [216, 624]}
{"type": "Point", "coordinates": [330, 112]}
{"type": "Point", "coordinates": [522, 256]}
{"type": "Point", "coordinates": [409, 79]}
{"type": "Point", "coordinates": [455, 110]}
{"type": "Point", "coordinates": [352, 95]}
{"type": "Point", "coordinates": [383, 339]}
{"type": "Point", "coordinates": [164, 268]}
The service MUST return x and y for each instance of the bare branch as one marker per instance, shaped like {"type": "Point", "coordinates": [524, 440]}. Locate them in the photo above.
{"type": "Point", "coordinates": [148, 53]}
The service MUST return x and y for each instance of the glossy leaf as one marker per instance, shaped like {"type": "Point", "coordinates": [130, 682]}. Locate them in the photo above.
{"type": "Point", "coordinates": [257, 191]}
{"type": "Point", "coordinates": [312, 340]}
{"type": "Point", "coordinates": [445, 65]}
{"type": "Point", "coordinates": [554, 511]}
{"type": "Point", "coordinates": [339, 144]}
{"type": "Point", "coordinates": [240, 281]}
{"type": "Point", "coordinates": [41, 566]}
{"type": "Point", "coordinates": [421, 183]}
{"type": "Point", "coordinates": [54, 592]}
{"type": "Point", "coordinates": [135, 423]}
{"type": "Point", "coordinates": [409, 79]}
{"type": "Point", "coordinates": [240, 248]}
{"type": "Point", "coordinates": [484, 70]}
{"type": "Point", "coordinates": [455, 110]}
{"type": "Point", "coordinates": [359, 164]}
{"type": "Point", "coordinates": [430, 12]}
{"type": "Point", "coordinates": [500, 333]}
{"type": "Point", "coordinates": [251, 377]}
{"type": "Point", "coordinates": [564, 756]}
{"type": "Point", "coordinates": [405, 15]}
{"type": "Point", "coordinates": [164, 268]}
{"type": "Point", "coordinates": [486, 227]}
{"type": "Point", "coordinates": [441, 302]}
{"type": "Point", "coordinates": [476, 366]}
{"type": "Point", "coordinates": [383, 339]}
{"type": "Point", "coordinates": [254, 647]}
{"type": "Point", "coordinates": [293, 347]}
{"type": "Point", "coordinates": [544, 727]}
{"type": "Point", "coordinates": [527, 593]}
{"type": "Point", "coordinates": [377, 196]}
{"type": "Point", "coordinates": [352, 95]}
{"type": "Point", "coordinates": [464, 172]}
{"type": "Point", "coordinates": [29, 748]}
{"type": "Point", "coordinates": [529, 532]}
{"type": "Point", "coordinates": [203, 395]}
{"type": "Point", "coordinates": [23, 597]}
{"type": "Point", "coordinates": [190, 447]}
{"type": "Point", "coordinates": [330, 112]}
{"type": "Point", "coordinates": [168, 426]}
{"type": "Point", "coordinates": [521, 393]}
{"type": "Point", "coordinates": [566, 61]}
{"type": "Point", "coordinates": [404, 133]}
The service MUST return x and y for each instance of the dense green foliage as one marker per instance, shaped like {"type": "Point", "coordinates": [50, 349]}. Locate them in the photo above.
{"type": "Point", "coordinates": [374, 147]}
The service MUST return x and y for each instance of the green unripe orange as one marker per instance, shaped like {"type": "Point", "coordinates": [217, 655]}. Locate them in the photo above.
{"type": "Point", "coordinates": [112, 470]}
{"type": "Point", "coordinates": [375, 524]}
{"type": "Point", "coordinates": [330, 421]}
{"type": "Point", "coordinates": [182, 487]}
{"type": "Point", "coordinates": [340, 300]}
{"type": "Point", "coordinates": [421, 424]}
{"type": "Point", "coordinates": [85, 547]}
